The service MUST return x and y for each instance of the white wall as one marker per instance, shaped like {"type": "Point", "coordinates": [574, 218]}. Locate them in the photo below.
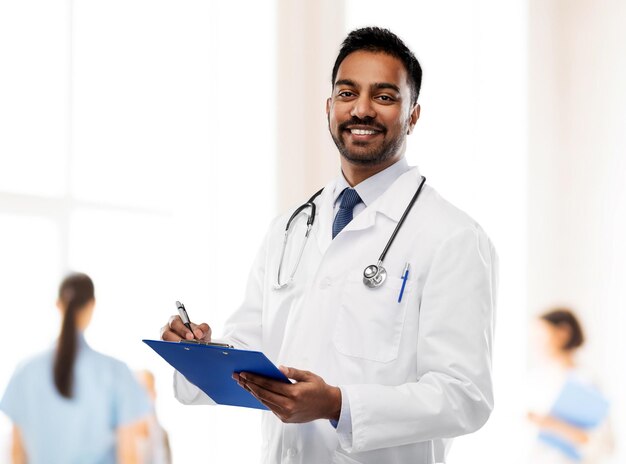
{"type": "Point", "coordinates": [309, 35]}
{"type": "Point", "coordinates": [123, 129]}
{"type": "Point", "coordinates": [577, 166]}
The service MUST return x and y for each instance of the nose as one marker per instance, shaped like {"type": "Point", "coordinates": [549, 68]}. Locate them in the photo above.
{"type": "Point", "coordinates": [363, 108]}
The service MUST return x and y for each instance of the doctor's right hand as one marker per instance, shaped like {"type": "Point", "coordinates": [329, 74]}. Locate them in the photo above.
{"type": "Point", "coordinates": [175, 331]}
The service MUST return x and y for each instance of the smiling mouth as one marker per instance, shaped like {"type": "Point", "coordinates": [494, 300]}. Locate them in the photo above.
{"type": "Point", "coordinates": [360, 135]}
{"type": "Point", "coordinates": [363, 131]}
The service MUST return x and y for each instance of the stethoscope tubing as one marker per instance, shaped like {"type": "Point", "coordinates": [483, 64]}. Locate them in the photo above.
{"type": "Point", "coordinates": [309, 225]}
{"type": "Point", "coordinates": [372, 281]}
{"type": "Point", "coordinates": [401, 221]}
{"type": "Point", "coordinates": [309, 204]}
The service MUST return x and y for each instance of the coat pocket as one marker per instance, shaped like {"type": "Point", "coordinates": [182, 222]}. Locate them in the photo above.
{"type": "Point", "coordinates": [370, 321]}
{"type": "Point", "coordinates": [340, 458]}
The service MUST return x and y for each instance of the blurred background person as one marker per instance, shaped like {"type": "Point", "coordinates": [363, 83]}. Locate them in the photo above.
{"type": "Point", "coordinates": [154, 444]}
{"type": "Point", "coordinates": [116, 151]}
{"type": "Point", "coordinates": [567, 408]}
{"type": "Point", "coordinates": [71, 404]}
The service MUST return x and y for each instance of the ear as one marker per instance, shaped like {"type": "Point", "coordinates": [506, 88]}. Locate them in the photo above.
{"type": "Point", "coordinates": [413, 117]}
{"type": "Point", "coordinates": [328, 106]}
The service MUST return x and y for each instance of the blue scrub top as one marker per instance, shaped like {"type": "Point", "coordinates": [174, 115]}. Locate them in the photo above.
{"type": "Point", "coordinates": [82, 429]}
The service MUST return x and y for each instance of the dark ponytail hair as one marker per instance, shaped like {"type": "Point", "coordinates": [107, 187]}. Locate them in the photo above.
{"type": "Point", "coordinates": [75, 292]}
{"type": "Point", "coordinates": [564, 317]}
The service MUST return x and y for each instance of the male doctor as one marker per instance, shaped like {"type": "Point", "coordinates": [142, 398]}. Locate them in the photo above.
{"type": "Point", "coordinates": [387, 374]}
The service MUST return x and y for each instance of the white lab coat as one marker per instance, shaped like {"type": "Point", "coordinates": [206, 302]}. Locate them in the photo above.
{"type": "Point", "coordinates": [416, 373]}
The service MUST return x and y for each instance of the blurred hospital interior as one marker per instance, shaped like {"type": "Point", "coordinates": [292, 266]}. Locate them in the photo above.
{"type": "Point", "coordinates": [149, 145]}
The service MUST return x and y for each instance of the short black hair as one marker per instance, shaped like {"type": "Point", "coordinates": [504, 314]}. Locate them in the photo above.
{"type": "Point", "coordinates": [377, 39]}
{"type": "Point", "coordinates": [564, 317]}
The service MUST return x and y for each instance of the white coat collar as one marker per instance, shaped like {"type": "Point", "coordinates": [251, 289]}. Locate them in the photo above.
{"type": "Point", "coordinates": [373, 187]}
{"type": "Point", "coordinates": [392, 203]}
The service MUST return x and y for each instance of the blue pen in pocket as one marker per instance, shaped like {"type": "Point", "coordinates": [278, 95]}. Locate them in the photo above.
{"type": "Point", "coordinates": [405, 276]}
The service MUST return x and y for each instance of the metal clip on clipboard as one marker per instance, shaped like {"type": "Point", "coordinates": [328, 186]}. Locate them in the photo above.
{"type": "Point", "coordinates": [200, 342]}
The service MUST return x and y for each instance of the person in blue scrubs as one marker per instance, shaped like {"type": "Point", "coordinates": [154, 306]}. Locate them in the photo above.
{"type": "Point", "coordinates": [71, 404]}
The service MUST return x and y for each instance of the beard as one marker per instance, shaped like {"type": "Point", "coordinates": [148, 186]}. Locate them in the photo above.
{"type": "Point", "coordinates": [369, 155]}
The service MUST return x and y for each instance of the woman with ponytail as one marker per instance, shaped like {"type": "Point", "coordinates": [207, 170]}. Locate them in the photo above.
{"type": "Point", "coordinates": [72, 404]}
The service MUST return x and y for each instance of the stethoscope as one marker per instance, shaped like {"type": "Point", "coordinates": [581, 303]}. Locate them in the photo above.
{"type": "Point", "coordinates": [374, 275]}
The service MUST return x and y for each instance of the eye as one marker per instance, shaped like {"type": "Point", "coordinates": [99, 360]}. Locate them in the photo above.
{"type": "Point", "coordinates": [386, 98]}
{"type": "Point", "coordinates": [345, 94]}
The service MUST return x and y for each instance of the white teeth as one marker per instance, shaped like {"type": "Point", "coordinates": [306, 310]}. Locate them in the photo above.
{"type": "Point", "coordinates": [362, 132]}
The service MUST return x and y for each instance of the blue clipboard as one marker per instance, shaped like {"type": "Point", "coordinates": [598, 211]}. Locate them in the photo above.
{"type": "Point", "coordinates": [581, 405]}
{"type": "Point", "coordinates": [210, 368]}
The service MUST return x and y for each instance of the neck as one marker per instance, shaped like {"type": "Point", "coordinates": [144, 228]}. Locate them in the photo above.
{"type": "Point", "coordinates": [565, 359]}
{"type": "Point", "coordinates": [357, 173]}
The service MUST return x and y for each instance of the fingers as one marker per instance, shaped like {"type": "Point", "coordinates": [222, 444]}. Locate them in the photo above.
{"type": "Point", "coordinates": [272, 407]}
{"type": "Point", "coordinates": [175, 331]}
{"type": "Point", "coordinates": [303, 401]}
{"type": "Point", "coordinates": [275, 386]}
{"type": "Point", "coordinates": [276, 403]}
{"type": "Point", "coordinates": [201, 331]}
{"type": "Point", "coordinates": [270, 399]}
{"type": "Point", "coordinates": [297, 374]}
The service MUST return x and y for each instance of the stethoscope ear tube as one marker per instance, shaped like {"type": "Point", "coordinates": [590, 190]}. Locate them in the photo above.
{"type": "Point", "coordinates": [309, 225]}
{"type": "Point", "coordinates": [296, 212]}
{"type": "Point", "coordinates": [308, 204]}
{"type": "Point", "coordinates": [278, 285]}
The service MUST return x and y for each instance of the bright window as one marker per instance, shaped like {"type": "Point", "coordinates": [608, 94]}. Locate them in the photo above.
{"type": "Point", "coordinates": [132, 149]}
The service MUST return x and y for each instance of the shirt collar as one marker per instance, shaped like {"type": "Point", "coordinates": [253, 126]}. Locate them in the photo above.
{"type": "Point", "coordinates": [81, 339]}
{"type": "Point", "coordinates": [373, 187]}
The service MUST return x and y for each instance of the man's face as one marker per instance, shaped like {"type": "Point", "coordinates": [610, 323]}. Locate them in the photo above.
{"type": "Point", "coordinates": [370, 112]}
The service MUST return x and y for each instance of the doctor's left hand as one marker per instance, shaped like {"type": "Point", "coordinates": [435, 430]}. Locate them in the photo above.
{"type": "Point", "coordinates": [308, 399]}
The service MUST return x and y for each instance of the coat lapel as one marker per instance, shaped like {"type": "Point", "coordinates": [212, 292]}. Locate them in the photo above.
{"type": "Point", "coordinates": [392, 203]}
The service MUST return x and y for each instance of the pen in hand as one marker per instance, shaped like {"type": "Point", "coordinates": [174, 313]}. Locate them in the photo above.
{"type": "Point", "coordinates": [182, 312]}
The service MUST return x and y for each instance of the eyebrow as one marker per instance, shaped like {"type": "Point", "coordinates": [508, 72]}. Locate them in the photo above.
{"type": "Point", "coordinates": [376, 85]}
{"type": "Point", "coordinates": [347, 82]}
{"type": "Point", "coordinates": [386, 85]}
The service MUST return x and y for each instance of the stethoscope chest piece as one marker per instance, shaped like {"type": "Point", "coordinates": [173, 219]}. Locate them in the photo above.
{"type": "Point", "coordinates": [374, 275]}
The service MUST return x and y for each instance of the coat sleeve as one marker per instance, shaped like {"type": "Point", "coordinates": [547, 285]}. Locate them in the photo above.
{"type": "Point", "coordinates": [453, 394]}
{"type": "Point", "coordinates": [243, 329]}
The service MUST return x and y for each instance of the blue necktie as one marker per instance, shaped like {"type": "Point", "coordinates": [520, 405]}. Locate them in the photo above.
{"type": "Point", "coordinates": [349, 200]}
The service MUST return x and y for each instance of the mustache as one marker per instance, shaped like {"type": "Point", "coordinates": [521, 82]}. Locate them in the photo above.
{"type": "Point", "coordinates": [368, 121]}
